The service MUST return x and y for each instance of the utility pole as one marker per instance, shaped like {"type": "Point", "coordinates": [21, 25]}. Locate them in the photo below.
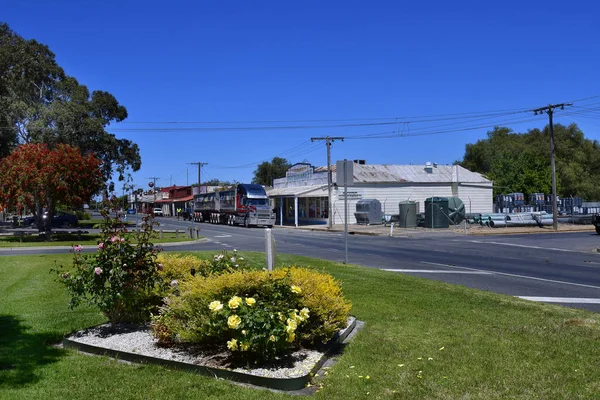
{"type": "Point", "coordinates": [154, 179]}
{"type": "Point", "coordinates": [200, 165]}
{"type": "Point", "coordinates": [550, 111]}
{"type": "Point", "coordinates": [328, 140]}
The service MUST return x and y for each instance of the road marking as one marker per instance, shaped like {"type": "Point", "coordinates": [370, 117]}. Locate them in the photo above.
{"type": "Point", "coordinates": [437, 271]}
{"type": "Point", "coordinates": [564, 300]}
{"type": "Point", "coordinates": [515, 275]}
{"type": "Point", "coordinates": [525, 246]}
{"type": "Point", "coordinates": [222, 236]}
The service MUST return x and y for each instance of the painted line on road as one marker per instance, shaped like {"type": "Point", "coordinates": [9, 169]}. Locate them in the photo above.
{"type": "Point", "coordinates": [564, 300]}
{"type": "Point", "coordinates": [222, 236]}
{"type": "Point", "coordinates": [436, 271]}
{"type": "Point", "coordinates": [524, 246]}
{"type": "Point", "coordinates": [515, 275]}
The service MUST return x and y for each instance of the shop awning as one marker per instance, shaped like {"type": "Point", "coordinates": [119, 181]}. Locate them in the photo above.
{"type": "Point", "coordinates": [300, 191]}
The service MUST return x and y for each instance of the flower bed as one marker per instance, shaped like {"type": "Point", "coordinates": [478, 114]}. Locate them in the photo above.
{"type": "Point", "coordinates": [135, 343]}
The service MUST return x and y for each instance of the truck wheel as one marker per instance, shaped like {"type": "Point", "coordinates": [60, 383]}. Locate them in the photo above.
{"type": "Point", "coordinates": [247, 222]}
{"type": "Point", "coordinates": [598, 230]}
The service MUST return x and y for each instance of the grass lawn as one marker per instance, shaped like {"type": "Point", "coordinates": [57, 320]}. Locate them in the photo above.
{"type": "Point", "coordinates": [422, 340]}
{"type": "Point", "coordinates": [68, 239]}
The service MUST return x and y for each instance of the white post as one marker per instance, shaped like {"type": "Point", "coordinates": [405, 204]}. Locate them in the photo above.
{"type": "Point", "coordinates": [281, 211]}
{"type": "Point", "coordinates": [270, 249]}
{"type": "Point", "coordinates": [391, 229]}
{"type": "Point", "coordinates": [296, 211]}
{"type": "Point", "coordinates": [345, 213]}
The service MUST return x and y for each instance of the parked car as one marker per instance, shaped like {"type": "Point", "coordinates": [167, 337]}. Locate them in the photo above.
{"type": "Point", "coordinates": [60, 219]}
{"type": "Point", "coordinates": [158, 212]}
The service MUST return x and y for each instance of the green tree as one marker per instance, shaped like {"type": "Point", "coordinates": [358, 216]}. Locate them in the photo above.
{"type": "Point", "coordinates": [521, 162]}
{"type": "Point", "coordinates": [39, 103]}
{"type": "Point", "coordinates": [267, 171]}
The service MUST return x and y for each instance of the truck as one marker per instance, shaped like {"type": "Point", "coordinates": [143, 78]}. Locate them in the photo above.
{"type": "Point", "coordinates": [245, 204]}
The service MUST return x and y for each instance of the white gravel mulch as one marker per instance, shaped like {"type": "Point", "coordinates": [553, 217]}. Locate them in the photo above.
{"type": "Point", "coordinates": [139, 341]}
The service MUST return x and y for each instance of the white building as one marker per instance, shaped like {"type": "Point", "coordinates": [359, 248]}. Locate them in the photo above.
{"type": "Point", "coordinates": [302, 196]}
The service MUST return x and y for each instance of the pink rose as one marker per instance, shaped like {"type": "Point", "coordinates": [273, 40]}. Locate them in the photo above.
{"type": "Point", "coordinates": [100, 246]}
{"type": "Point", "coordinates": [114, 239]}
{"type": "Point", "coordinates": [78, 248]}
{"type": "Point", "coordinates": [122, 240]}
{"type": "Point", "coordinates": [97, 270]}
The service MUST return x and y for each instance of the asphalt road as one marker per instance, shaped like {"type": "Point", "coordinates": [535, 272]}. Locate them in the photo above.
{"type": "Point", "coordinates": [558, 268]}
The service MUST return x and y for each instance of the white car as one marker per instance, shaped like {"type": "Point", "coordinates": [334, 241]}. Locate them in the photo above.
{"type": "Point", "coordinates": [158, 212]}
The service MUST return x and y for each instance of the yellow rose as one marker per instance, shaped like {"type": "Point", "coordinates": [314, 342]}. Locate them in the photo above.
{"type": "Point", "coordinates": [244, 346]}
{"type": "Point", "coordinates": [272, 338]}
{"type": "Point", "coordinates": [296, 289]}
{"type": "Point", "coordinates": [291, 325]}
{"type": "Point", "coordinates": [235, 302]}
{"type": "Point", "coordinates": [291, 337]}
{"type": "Point", "coordinates": [232, 344]}
{"type": "Point", "coordinates": [215, 306]}
{"type": "Point", "coordinates": [250, 301]}
{"type": "Point", "coordinates": [304, 313]}
{"type": "Point", "coordinates": [234, 321]}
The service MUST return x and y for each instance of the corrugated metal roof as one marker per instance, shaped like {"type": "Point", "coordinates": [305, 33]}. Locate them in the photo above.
{"type": "Point", "coordinates": [382, 173]}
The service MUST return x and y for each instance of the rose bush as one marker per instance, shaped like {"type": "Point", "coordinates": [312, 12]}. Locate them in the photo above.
{"type": "Point", "coordinates": [120, 278]}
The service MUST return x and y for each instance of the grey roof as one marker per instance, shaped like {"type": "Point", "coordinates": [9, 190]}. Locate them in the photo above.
{"type": "Point", "coordinates": [388, 173]}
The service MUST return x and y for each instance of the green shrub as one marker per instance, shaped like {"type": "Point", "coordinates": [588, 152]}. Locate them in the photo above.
{"type": "Point", "coordinates": [256, 314]}
{"type": "Point", "coordinates": [322, 295]}
{"type": "Point", "coordinates": [120, 278]}
{"type": "Point", "coordinates": [175, 269]}
{"type": "Point", "coordinates": [82, 215]}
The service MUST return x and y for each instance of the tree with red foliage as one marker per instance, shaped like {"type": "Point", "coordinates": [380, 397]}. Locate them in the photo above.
{"type": "Point", "coordinates": [38, 177]}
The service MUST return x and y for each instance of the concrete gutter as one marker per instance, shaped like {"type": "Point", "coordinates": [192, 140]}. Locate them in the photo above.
{"type": "Point", "coordinates": [475, 230]}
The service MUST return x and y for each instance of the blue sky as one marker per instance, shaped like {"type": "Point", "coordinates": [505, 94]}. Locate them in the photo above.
{"type": "Point", "coordinates": [428, 74]}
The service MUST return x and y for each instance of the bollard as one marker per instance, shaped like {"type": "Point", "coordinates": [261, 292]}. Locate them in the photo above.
{"type": "Point", "coordinates": [160, 234]}
{"type": "Point", "coordinates": [191, 232]}
{"type": "Point", "coordinates": [197, 233]}
{"type": "Point", "coordinates": [391, 229]}
{"type": "Point", "coordinates": [176, 233]}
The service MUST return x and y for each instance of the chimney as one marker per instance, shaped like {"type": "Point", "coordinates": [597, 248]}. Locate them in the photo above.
{"type": "Point", "coordinates": [428, 167]}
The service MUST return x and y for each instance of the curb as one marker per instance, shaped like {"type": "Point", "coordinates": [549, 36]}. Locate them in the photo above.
{"type": "Point", "coordinates": [168, 244]}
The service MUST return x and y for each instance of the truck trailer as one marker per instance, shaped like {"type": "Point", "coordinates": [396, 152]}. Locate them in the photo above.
{"type": "Point", "coordinates": [246, 204]}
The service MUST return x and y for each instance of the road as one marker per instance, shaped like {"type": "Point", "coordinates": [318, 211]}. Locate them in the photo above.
{"type": "Point", "coordinates": [558, 268]}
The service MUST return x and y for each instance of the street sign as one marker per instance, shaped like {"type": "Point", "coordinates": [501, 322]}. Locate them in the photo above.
{"type": "Point", "coordinates": [344, 173]}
